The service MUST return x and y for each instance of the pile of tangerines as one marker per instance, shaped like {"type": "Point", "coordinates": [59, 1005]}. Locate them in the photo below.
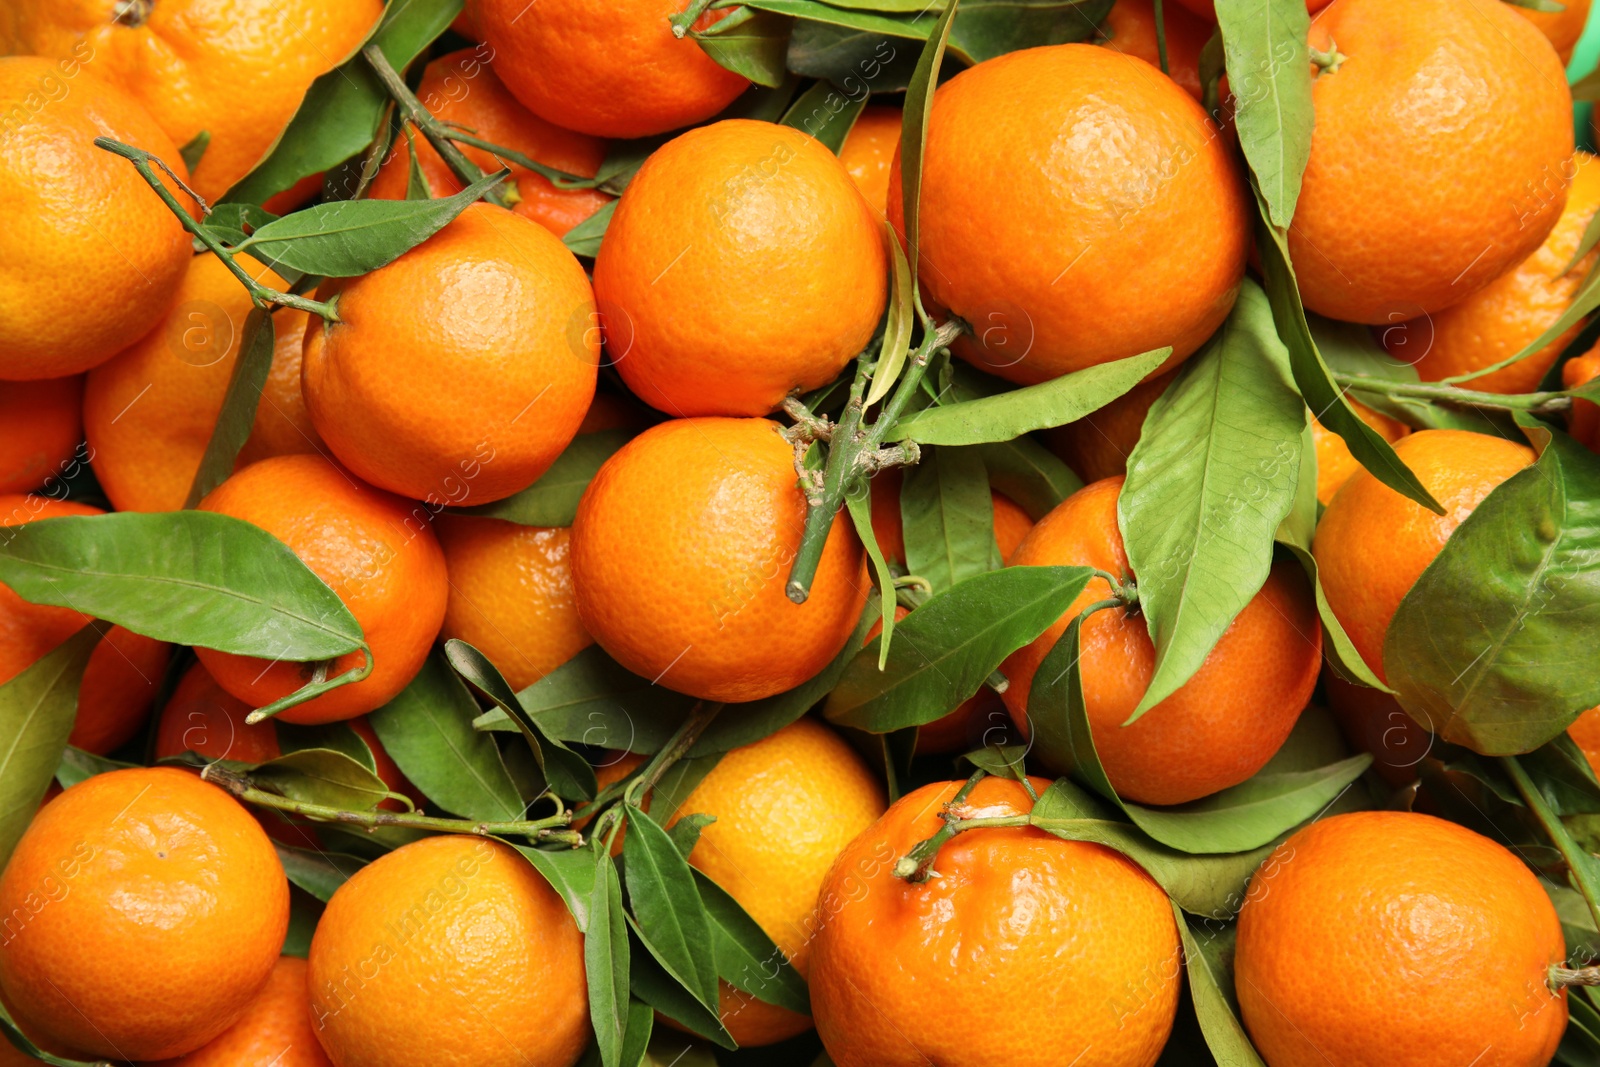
{"type": "Point", "coordinates": [799, 531]}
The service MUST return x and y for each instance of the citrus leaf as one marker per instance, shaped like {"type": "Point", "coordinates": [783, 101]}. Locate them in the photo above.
{"type": "Point", "coordinates": [860, 60]}
{"type": "Point", "coordinates": [195, 149]}
{"type": "Point", "coordinates": [747, 958]}
{"type": "Point", "coordinates": [860, 508]}
{"type": "Point", "coordinates": [427, 731]}
{"type": "Point", "coordinates": [811, 12]}
{"type": "Point", "coordinates": [826, 114]}
{"type": "Point", "coordinates": [679, 783]}
{"type": "Point", "coordinates": [338, 736]}
{"type": "Point", "coordinates": [186, 577]}
{"type": "Point", "coordinates": [1213, 474]}
{"type": "Point", "coordinates": [1269, 73]}
{"type": "Point", "coordinates": [748, 42]}
{"type": "Point", "coordinates": [350, 237]}
{"type": "Point", "coordinates": [37, 709]}
{"type": "Point", "coordinates": [666, 904]}
{"type": "Point", "coordinates": [1508, 665]}
{"type": "Point", "coordinates": [990, 28]}
{"type": "Point", "coordinates": [239, 405]}
{"type": "Point", "coordinates": [340, 113]}
{"type": "Point", "coordinates": [898, 320]}
{"type": "Point", "coordinates": [636, 1039]}
{"type": "Point", "coordinates": [592, 699]}
{"type": "Point", "coordinates": [651, 983]}
{"type": "Point", "coordinates": [947, 514]}
{"type": "Point", "coordinates": [77, 765]}
{"type": "Point", "coordinates": [232, 223]}
{"type": "Point", "coordinates": [1240, 819]}
{"type": "Point", "coordinates": [1029, 474]}
{"type": "Point", "coordinates": [322, 776]}
{"type": "Point", "coordinates": [318, 873]}
{"type": "Point", "coordinates": [553, 499]}
{"type": "Point", "coordinates": [570, 872]}
{"type": "Point", "coordinates": [950, 645]}
{"type": "Point", "coordinates": [606, 962]}
{"type": "Point", "coordinates": [1032, 407]}
{"type": "Point", "coordinates": [584, 238]}
{"type": "Point", "coordinates": [914, 133]}
{"type": "Point", "coordinates": [1211, 887]}
{"type": "Point", "coordinates": [1208, 959]}
{"type": "Point", "coordinates": [685, 833]}
{"type": "Point", "coordinates": [1327, 402]}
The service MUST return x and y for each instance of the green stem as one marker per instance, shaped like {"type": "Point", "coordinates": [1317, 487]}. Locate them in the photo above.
{"type": "Point", "coordinates": [1579, 863]}
{"type": "Point", "coordinates": [633, 790]}
{"type": "Point", "coordinates": [558, 178]}
{"type": "Point", "coordinates": [1566, 977]}
{"type": "Point", "coordinates": [435, 131]}
{"type": "Point", "coordinates": [685, 19]}
{"type": "Point", "coordinates": [260, 295]}
{"type": "Point", "coordinates": [855, 448]}
{"type": "Point", "coordinates": [1328, 62]}
{"type": "Point", "coordinates": [1535, 403]}
{"type": "Point", "coordinates": [550, 829]}
{"type": "Point", "coordinates": [917, 865]}
{"type": "Point", "coordinates": [320, 683]}
{"type": "Point", "coordinates": [1124, 590]}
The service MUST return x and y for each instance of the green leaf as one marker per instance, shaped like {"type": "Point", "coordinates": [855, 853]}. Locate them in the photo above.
{"type": "Point", "coordinates": [1269, 73]}
{"type": "Point", "coordinates": [1208, 958]}
{"type": "Point", "coordinates": [860, 507]}
{"type": "Point", "coordinates": [188, 577]}
{"type": "Point", "coordinates": [860, 52]}
{"type": "Point", "coordinates": [195, 150]}
{"type": "Point", "coordinates": [685, 833]}
{"type": "Point", "coordinates": [947, 514]}
{"type": "Point", "coordinates": [1213, 474]}
{"type": "Point", "coordinates": [636, 1041]}
{"type": "Point", "coordinates": [338, 736]}
{"type": "Point", "coordinates": [1311, 374]}
{"type": "Point", "coordinates": [37, 708]}
{"type": "Point", "coordinates": [239, 404]}
{"type": "Point", "coordinates": [318, 873]}
{"type": "Point", "coordinates": [584, 238]}
{"type": "Point", "coordinates": [232, 223]}
{"type": "Point", "coordinates": [606, 962]}
{"type": "Point", "coordinates": [898, 320]}
{"type": "Point", "coordinates": [77, 765]}
{"type": "Point", "coordinates": [553, 499]}
{"type": "Point", "coordinates": [749, 42]}
{"type": "Point", "coordinates": [570, 872]}
{"type": "Point", "coordinates": [350, 237]}
{"type": "Point", "coordinates": [652, 984]}
{"type": "Point", "coordinates": [593, 700]}
{"type": "Point", "coordinates": [950, 645]}
{"type": "Point", "coordinates": [1032, 476]}
{"type": "Point", "coordinates": [680, 781]}
{"type": "Point", "coordinates": [747, 958]}
{"type": "Point", "coordinates": [1492, 648]}
{"type": "Point", "coordinates": [1211, 887]}
{"type": "Point", "coordinates": [1032, 407]}
{"type": "Point", "coordinates": [989, 28]}
{"type": "Point", "coordinates": [416, 183]}
{"type": "Point", "coordinates": [341, 111]}
{"type": "Point", "coordinates": [1245, 817]}
{"type": "Point", "coordinates": [914, 136]}
{"type": "Point", "coordinates": [322, 776]}
{"type": "Point", "coordinates": [826, 114]}
{"type": "Point", "coordinates": [427, 731]}
{"type": "Point", "coordinates": [672, 921]}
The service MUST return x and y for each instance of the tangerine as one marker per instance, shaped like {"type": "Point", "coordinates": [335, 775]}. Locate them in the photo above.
{"type": "Point", "coordinates": [41, 427]}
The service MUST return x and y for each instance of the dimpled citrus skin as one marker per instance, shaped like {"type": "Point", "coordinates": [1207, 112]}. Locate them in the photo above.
{"type": "Point", "coordinates": [906, 974]}
{"type": "Point", "coordinates": [1372, 544]}
{"type": "Point", "coordinates": [868, 154]}
{"type": "Point", "coordinates": [786, 806]}
{"type": "Point", "coordinates": [275, 1032]}
{"type": "Point", "coordinates": [1355, 924]}
{"type": "Point", "coordinates": [375, 550]}
{"type": "Point", "coordinates": [451, 951]}
{"type": "Point", "coordinates": [460, 371]}
{"type": "Point", "coordinates": [1048, 177]}
{"type": "Point", "coordinates": [1585, 733]}
{"type": "Point", "coordinates": [761, 230]}
{"type": "Point", "coordinates": [511, 595]}
{"type": "Point", "coordinates": [1098, 445]}
{"type": "Point", "coordinates": [145, 872]}
{"type": "Point", "coordinates": [235, 68]}
{"type": "Point", "coordinates": [282, 425]}
{"type": "Point", "coordinates": [41, 426]}
{"type": "Point", "coordinates": [150, 411]}
{"type": "Point", "coordinates": [1511, 312]}
{"type": "Point", "coordinates": [1335, 464]}
{"type": "Point", "coordinates": [89, 255]}
{"type": "Point", "coordinates": [1130, 28]}
{"type": "Point", "coordinates": [28, 631]}
{"type": "Point", "coordinates": [681, 551]}
{"type": "Point", "coordinates": [612, 70]}
{"type": "Point", "coordinates": [120, 683]}
{"type": "Point", "coordinates": [1383, 231]}
{"type": "Point", "coordinates": [204, 718]}
{"type": "Point", "coordinates": [462, 88]}
{"type": "Point", "coordinates": [1219, 727]}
